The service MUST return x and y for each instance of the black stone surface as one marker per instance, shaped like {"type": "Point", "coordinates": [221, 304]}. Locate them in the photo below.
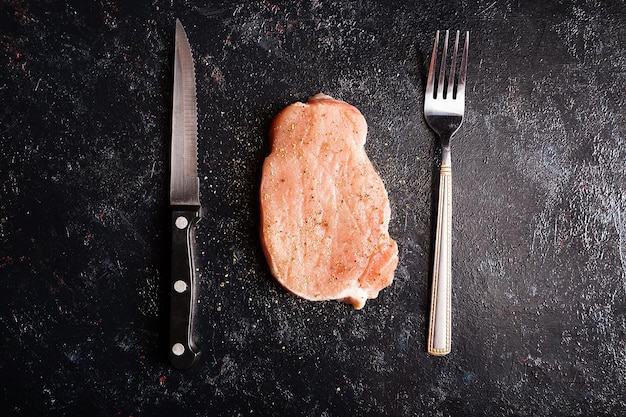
{"type": "Point", "coordinates": [539, 198]}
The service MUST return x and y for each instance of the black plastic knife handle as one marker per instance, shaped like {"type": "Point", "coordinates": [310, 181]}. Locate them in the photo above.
{"type": "Point", "coordinates": [183, 351]}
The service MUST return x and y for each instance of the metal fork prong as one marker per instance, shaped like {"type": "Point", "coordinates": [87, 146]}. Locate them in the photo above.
{"type": "Point", "coordinates": [451, 80]}
{"type": "Point", "coordinates": [430, 82]}
{"type": "Point", "coordinates": [460, 89]}
{"type": "Point", "coordinates": [442, 68]}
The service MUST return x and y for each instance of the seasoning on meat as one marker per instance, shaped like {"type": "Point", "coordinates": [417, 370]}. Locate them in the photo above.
{"type": "Point", "coordinates": [324, 209]}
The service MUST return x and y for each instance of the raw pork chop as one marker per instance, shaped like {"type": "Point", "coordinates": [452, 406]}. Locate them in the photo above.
{"type": "Point", "coordinates": [324, 209]}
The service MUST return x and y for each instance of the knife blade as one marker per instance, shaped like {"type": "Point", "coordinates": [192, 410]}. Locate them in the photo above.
{"type": "Point", "coordinates": [184, 203]}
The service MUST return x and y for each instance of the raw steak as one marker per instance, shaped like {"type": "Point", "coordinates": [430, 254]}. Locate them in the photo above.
{"type": "Point", "coordinates": [324, 209]}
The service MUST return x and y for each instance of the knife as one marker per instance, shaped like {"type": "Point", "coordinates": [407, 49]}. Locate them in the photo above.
{"type": "Point", "coordinates": [184, 203]}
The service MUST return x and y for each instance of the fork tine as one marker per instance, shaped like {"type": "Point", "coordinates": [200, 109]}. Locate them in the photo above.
{"type": "Point", "coordinates": [430, 82]}
{"type": "Point", "coordinates": [460, 89]}
{"type": "Point", "coordinates": [451, 80]}
{"type": "Point", "coordinates": [442, 68]}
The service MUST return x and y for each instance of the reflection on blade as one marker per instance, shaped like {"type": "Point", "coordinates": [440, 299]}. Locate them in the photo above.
{"type": "Point", "coordinates": [184, 185]}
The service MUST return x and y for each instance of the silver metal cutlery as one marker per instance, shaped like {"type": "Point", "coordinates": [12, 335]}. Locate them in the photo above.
{"type": "Point", "coordinates": [185, 204]}
{"type": "Point", "coordinates": [444, 106]}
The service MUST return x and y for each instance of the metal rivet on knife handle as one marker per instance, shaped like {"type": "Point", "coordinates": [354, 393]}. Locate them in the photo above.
{"type": "Point", "coordinates": [180, 286]}
{"type": "Point", "coordinates": [182, 222]}
{"type": "Point", "coordinates": [178, 349]}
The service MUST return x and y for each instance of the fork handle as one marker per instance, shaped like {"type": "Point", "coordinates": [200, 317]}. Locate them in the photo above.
{"type": "Point", "coordinates": [439, 340]}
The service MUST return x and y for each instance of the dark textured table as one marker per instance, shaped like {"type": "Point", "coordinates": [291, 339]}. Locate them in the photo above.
{"type": "Point", "coordinates": [539, 261]}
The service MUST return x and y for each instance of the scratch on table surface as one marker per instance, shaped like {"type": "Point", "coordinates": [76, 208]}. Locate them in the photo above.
{"type": "Point", "coordinates": [483, 11]}
{"type": "Point", "coordinates": [406, 218]}
{"type": "Point", "coordinates": [619, 227]}
{"type": "Point", "coordinates": [556, 234]}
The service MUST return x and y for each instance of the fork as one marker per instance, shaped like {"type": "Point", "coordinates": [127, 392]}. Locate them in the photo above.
{"type": "Point", "coordinates": [444, 106]}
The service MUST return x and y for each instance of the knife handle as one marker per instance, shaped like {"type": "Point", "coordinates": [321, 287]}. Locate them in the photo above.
{"type": "Point", "coordinates": [183, 351]}
{"type": "Point", "coordinates": [439, 338]}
